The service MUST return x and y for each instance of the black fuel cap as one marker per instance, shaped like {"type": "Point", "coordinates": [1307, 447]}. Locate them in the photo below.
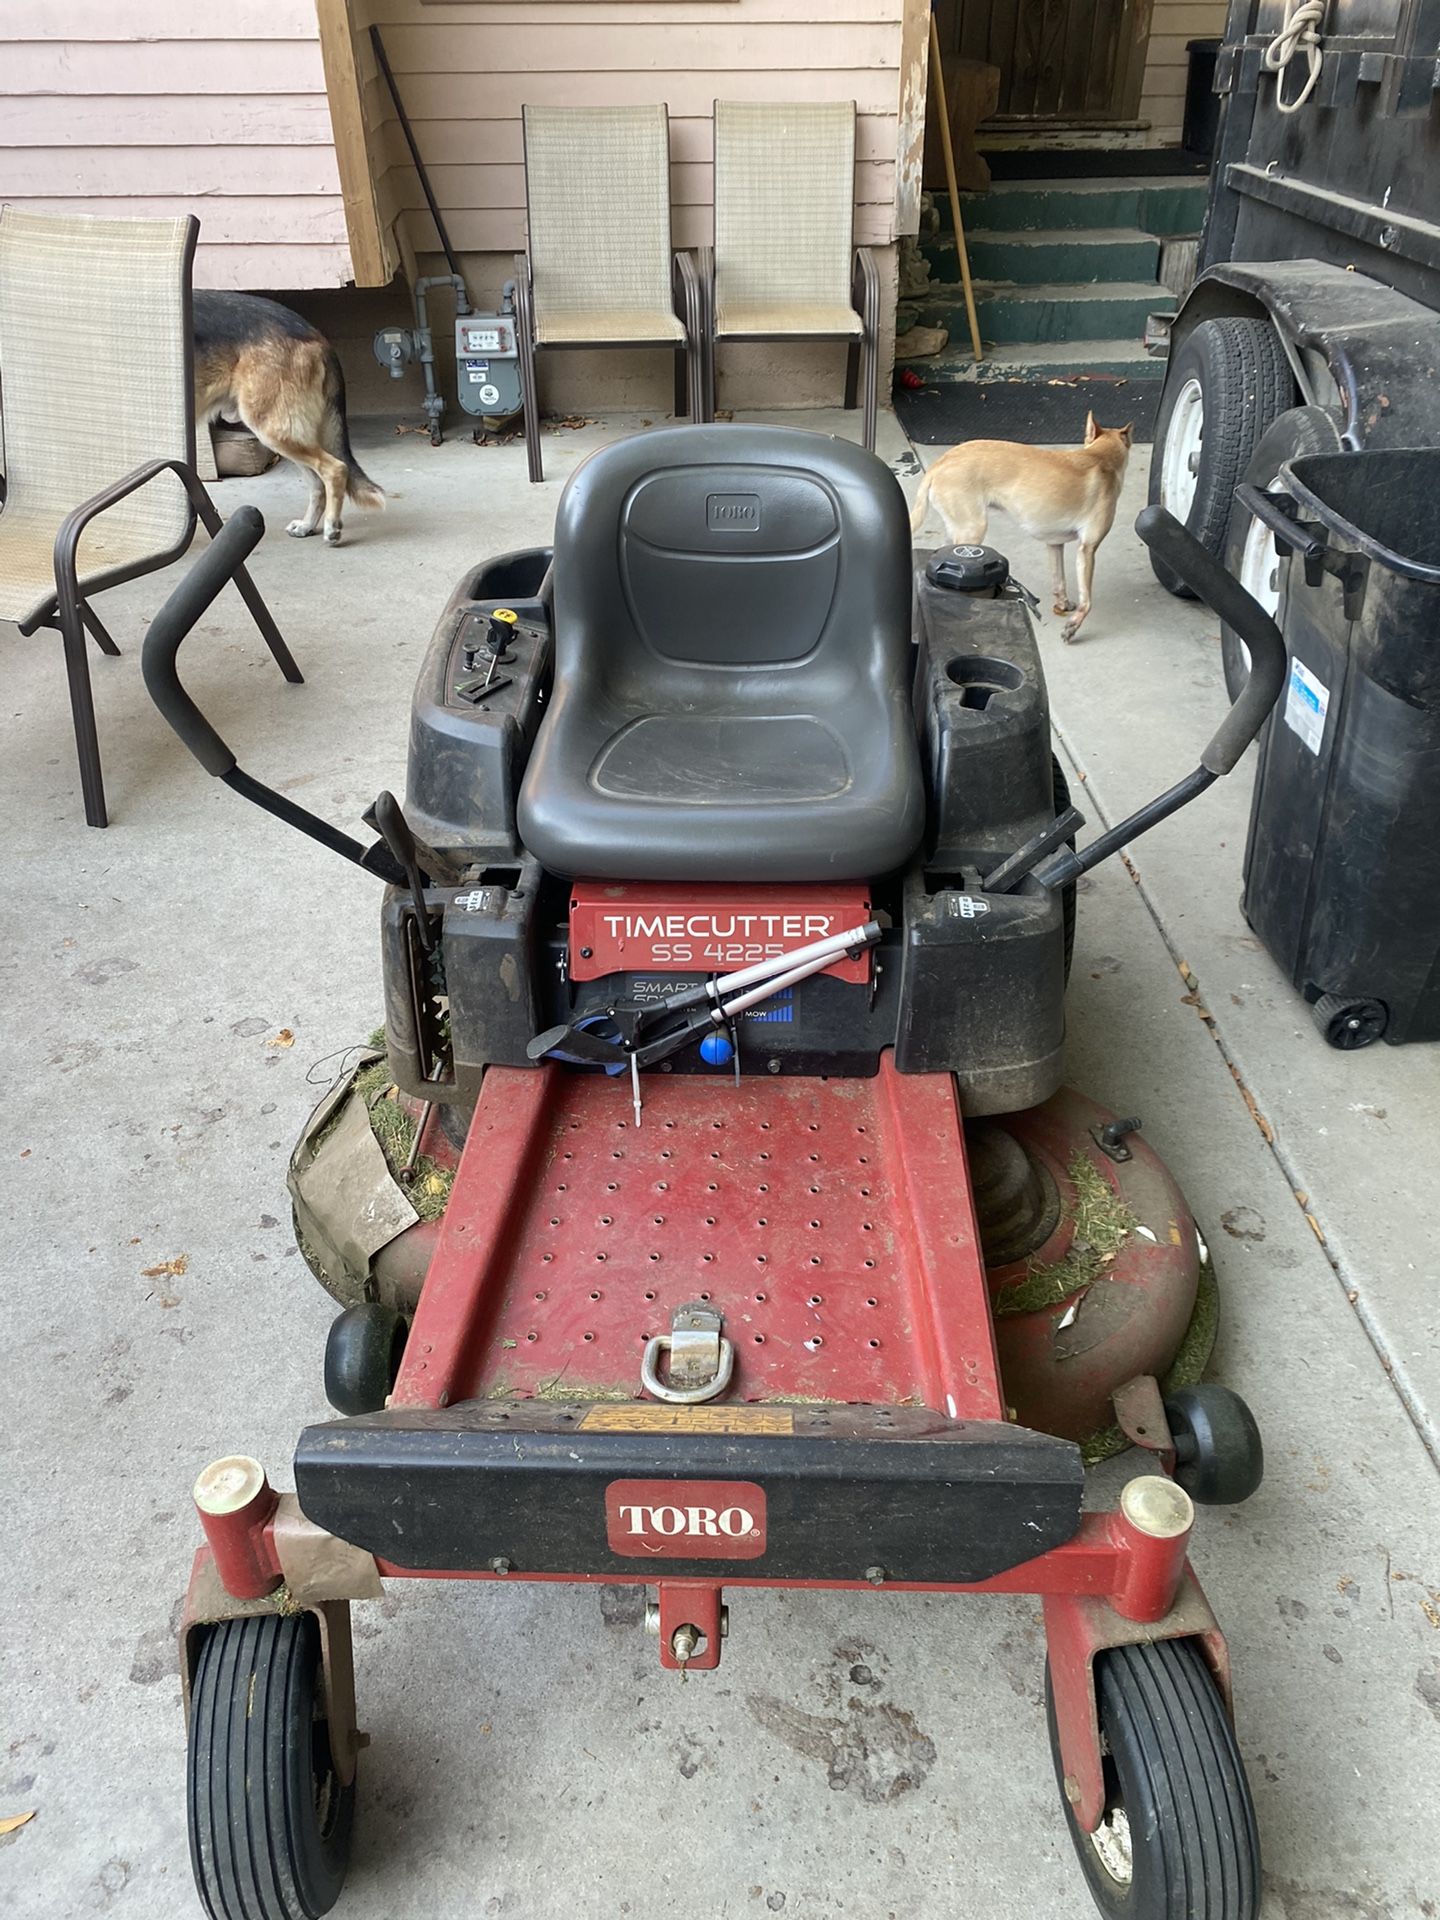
{"type": "Point", "coordinates": [968, 569]}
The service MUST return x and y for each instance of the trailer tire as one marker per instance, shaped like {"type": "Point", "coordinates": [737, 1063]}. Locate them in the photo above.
{"type": "Point", "coordinates": [1178, 1840]}
{"type": "Point", "coordinates": [1228, 383]}
{"type": "Point", "coordinates": [1250, 547]}
{"type": "Point", "coordinates": [269, 1819]}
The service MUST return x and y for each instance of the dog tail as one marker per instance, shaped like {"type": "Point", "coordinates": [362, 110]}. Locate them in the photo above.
{"type": "Point", "coordinates": [360, 488]}
{"type": "Point", "coordinates": [922, 504]}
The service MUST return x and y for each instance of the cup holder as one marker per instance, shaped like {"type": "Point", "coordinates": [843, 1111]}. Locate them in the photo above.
{"type": "Point", "coordinates": [980, 678]}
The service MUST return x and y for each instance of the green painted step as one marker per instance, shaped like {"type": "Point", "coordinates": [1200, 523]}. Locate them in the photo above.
{"type": "Point", "coordinates": [1045, 255]}
{"type": "Point", "coordinates": [1120, 360]}
{"type": "Point", "coordinates": [1043, 313]}
{"type": "Point", "coordinates": [1160, 206]}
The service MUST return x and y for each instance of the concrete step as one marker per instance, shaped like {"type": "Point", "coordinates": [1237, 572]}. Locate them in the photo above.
{"type": "Point", "coordinates": [1155, 205]}
{"type": "Point", "coordinates": [1119, 360]}
{"type": "Point", "coordinates": [1066, 311]}
{"type": "Point", "coordinates": [1038, 255]}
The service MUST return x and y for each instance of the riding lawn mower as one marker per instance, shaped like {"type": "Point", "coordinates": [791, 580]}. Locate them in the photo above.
{"type": "Point", "coordinates": [715, 1215]}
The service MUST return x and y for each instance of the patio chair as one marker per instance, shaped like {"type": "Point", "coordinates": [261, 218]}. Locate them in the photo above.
{"type": "Point", "coordinates": [98, 425]}
{"type": "Point", "coordinates": [601, 271]}
{"type": "Point", "coordinates": [784, 265]}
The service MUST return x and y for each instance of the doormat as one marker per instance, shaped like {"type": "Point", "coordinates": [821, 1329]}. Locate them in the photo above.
{"type": "Point", "coordinates": [1035, 412]}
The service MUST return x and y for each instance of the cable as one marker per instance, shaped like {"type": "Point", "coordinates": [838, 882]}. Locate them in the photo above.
{"type": "Point", "coordinates": [1299, 34]}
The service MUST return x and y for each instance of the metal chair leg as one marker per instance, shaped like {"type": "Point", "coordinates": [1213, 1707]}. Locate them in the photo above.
{"type": "Point", "coordinates": [250, 593]}
{"type": "Point", "coordinates": [682, 381]}
{"type": "Point", "coordinates": [82, 707]}
{"type": "Point", "coordinates": [525, 340]}
{"type": "Point", "coordinates": [872, 397]}
{"type": "Point", "coordinates": [101, 637]}
{"type": "Point", "coordinates": [865, 352]}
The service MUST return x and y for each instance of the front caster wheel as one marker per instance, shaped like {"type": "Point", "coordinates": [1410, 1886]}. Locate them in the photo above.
{"type": "Point", "coordinates": [1177, 1840]}
{"type": "Point", "coordinates": [1219, 1456]}
{"type": "Point", "coordinates": [269, 1818]}
{"type": "Point", "coordinates": [363, 1351]}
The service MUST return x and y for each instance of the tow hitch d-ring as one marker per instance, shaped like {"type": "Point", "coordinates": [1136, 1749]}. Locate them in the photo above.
{"type": "Point", "coordinates": [701, 1358]}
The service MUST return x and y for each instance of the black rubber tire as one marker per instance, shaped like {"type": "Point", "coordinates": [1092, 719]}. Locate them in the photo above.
{"type": "Point", "coordinates": [269, 1821]}
{"type": "Point", "coordinates": [363, 1351]}
{"type": "Point", "coordinates": [1061, 788]}
{"type": "Point", "coordinates": [1245, 382]}
{"type": "Point", "coordinates": [1349, 1024]}
{"type": "Point", "coordinates": [1219, 1455]}
{"type": "Point", "coordinates": [1172, 1764]}
{"type": "Point", "coordinates": [1297, 432]}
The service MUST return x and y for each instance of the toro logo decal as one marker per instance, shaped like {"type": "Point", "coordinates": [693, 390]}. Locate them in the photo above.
{"type": "Point", "coordinates": [685, 1519]}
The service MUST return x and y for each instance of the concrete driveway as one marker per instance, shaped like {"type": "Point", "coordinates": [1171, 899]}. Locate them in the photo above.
{"type": "Point", "coordinates": [179, 990]}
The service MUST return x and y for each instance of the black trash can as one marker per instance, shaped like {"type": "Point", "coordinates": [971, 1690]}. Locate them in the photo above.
{"type": "Point", "coordinates": [1202, 103]}
{"type": "Point", "coordinates": [1342, 865]}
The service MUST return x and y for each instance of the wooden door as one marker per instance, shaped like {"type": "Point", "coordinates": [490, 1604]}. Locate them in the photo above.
{"type": "Point", "coordinates": [1061, 61]}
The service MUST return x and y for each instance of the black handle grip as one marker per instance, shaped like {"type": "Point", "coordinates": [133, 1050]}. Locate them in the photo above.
{"type": "Point", "coordinates": [1277, 512]}
{"type": "Point", "coordinates": [222, 559]}
{"type": "Point", "coordinates": [1224, 595]}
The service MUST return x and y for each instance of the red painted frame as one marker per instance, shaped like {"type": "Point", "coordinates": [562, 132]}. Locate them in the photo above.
{"type": "Point", "coordinates": [904, 1164]}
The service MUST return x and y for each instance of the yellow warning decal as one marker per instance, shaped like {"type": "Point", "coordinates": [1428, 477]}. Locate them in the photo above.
{"type": "Point", "coordinates": [655, 1419]}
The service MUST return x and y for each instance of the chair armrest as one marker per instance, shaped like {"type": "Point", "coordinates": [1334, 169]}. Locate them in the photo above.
{"type": "Point", "coordinates": [865, 291]}
{"type": "Point", "coordinates": [524, 296]}
{"type": "Point", "coordinates": [67, 540]}
{"type": "Point", "coordinates": [705, 271]}
{"type": "Point", "coordinates": [687, 295]}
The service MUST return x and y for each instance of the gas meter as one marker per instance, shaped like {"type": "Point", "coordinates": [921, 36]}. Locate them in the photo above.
{"type": "Point", "coordinates": [487, 362]}
{"type": "Point", "coordinates": [487, 354]}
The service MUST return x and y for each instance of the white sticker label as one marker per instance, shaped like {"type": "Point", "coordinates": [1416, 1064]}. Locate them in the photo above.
{"type": "Point", "coordinates": [1306, 702]}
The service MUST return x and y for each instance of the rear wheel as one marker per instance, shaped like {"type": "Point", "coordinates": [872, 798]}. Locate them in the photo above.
{"type": "Point", "coordinates": [269, 1818]}
{"type": "Point", "coordinates": [1249, 545]}
{"type": "Point", "coordinates": [1229, 381]}
{"type": "Point", "coordinates": [1177, 1840]}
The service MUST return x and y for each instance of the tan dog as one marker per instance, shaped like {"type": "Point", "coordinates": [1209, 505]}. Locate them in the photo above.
{"type": "Point", "coordinates": [1055, 494]}
{"type": "Point", "coordinates": [258, 362]}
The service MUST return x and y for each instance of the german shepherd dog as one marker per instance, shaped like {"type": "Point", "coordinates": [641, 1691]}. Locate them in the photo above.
{"type": "Point", "coordinates": [259, 362]}
{"type": "Point", "coordinates": [1055, 493]}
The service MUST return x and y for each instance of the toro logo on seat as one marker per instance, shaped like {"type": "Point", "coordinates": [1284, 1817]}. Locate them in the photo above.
{"type": "Point", "coordinates": [732, 512]}
{"type": "Point", "coordinates": [685, 1519]}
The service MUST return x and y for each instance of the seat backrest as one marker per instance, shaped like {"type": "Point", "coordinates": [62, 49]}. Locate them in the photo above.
{"type": "Point", "coordinates": [95, 366]}
{"type": "Point", "coordinates": [784, 203]}
{"type": "Point", "coordinates": [733, 567]}
{"type": "Point", "coordinates": [597, 208]}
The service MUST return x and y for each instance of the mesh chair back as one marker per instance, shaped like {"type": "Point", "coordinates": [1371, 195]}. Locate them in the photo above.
{"type": "Point", "coordinates": [95, 366]}
{"type": "Point", "coordinates": [597, 198]}
{"type": "Point", "coordinates": [784, 205]}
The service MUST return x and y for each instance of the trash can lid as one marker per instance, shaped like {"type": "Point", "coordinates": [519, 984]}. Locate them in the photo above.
{"type": "Point", "coordinates": [1384, 502]}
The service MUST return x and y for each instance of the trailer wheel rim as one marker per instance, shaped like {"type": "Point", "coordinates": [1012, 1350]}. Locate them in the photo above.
{"type": "Point", "coordinates": [1184, 437]}
{"type": "Point", "coordinates": [1112, 1844]}
{"type": "Point", "coordinates": [1260, 571]}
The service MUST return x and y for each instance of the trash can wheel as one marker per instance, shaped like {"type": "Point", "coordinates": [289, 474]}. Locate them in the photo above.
{"type": "Point", "coordinates": [1348, 1024]}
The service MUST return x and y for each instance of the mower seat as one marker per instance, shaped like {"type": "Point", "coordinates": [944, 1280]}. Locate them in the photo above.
{"type": "Point", "coordinates": [732, 665]}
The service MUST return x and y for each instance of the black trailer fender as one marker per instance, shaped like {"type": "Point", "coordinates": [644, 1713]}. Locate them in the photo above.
{"type": "Point", "coordinates": [1356, 347]}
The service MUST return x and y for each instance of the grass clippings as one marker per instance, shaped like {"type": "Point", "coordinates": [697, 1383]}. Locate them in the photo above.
{"type": "Point", "coordinates": [428, 1189]}
{"type": "Point", "coordinates": [1103, 1223]}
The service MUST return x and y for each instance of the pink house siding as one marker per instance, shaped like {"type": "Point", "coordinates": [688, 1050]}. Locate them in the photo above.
{"type": "Point", "coordinates": [164, 106]}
